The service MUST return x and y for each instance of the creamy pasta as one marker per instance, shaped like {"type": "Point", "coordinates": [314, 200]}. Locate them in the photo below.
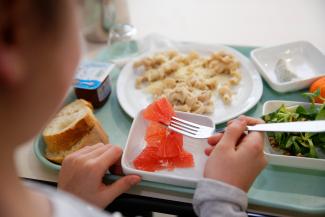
{"type": "Point", "coordinates": [189, 81]}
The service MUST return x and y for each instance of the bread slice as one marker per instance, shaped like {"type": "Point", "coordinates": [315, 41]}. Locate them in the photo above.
{"type": "Point", "coordinates": [96, 135]}
{"type": "Point", "coordinates": [71, 129]}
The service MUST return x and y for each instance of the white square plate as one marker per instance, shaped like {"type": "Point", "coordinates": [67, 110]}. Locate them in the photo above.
{"type": "Point", "coordinates": [186, 177]}
{"type": "Point", "coordinates": [275, 157]}
{"type": "Point", "coordinates": [302, 58]}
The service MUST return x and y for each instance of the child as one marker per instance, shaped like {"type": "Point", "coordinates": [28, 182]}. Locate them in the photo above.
{"type": "Point", "coordinates": [39, 52]}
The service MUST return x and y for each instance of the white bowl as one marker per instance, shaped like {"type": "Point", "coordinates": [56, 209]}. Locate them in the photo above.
{"type": "Point", "coordinates": [186, 177]}
{"type": "Point", "coordinates": [302, 58]}
{"type": "Point", "coordinates": [275, 157]}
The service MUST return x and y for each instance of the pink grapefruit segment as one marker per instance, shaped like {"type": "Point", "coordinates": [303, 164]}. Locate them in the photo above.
{"type": "Point", "coordinates": [171, 146]}
{"type": "Point", "coordinates": [164, 148]}
{"type": "Point", "coordinates": [148, 160]}
{"type": "Point", "coordinates": [184, 160]}
{"type": "Point", "coordinates": [155, 134]}
{"type": "Point", "coordinates": [159, 111]}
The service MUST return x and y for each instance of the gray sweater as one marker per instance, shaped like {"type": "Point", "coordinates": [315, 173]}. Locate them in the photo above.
{"type": "Point", "coordinates": [215, 198]}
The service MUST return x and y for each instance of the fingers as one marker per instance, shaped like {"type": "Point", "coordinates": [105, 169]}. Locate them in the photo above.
{"type": "Point", "coordinates": [252, 147]}
{"type": "Point", "coordinates": [109, 157]}
{"type": "Point", "coordinates": [87, 149]}
{"type": "Point", "coordinates": [251, 120]}
{"type": "Point", "coordinates": [233, 133]}
{"type": "Point", "coordinates": [252, 144]}
{"type": "Point", "coordinates": [208, 150]}
{"type": "Point", "coordinates": [213, 140]}
{"type": "Point", "coordinates": [245, 120]}
{"type": "Point", "coordinates": [77, 157]}
{"type": "Point", "coordinates": [120, 186]}
{"type": "Point", "coordinates": [100, 156]}
{"type": "Point", "coordinates": [234, 127]}
{"type": "Point", "coordinates": [116, 168]}
{"type": "Point", "coordinates": [96, 151]}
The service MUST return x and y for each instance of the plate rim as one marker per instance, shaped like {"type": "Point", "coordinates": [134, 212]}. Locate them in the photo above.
{"type": "Point", "coordinates": [40, 156]}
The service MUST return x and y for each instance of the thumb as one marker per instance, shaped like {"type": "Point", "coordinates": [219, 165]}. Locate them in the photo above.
{"type": "Point", "coordinates": [121, 186]}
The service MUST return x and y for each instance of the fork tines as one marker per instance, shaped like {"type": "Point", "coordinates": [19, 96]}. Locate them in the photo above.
{"type": "Point", "coordinates": [184, 127]}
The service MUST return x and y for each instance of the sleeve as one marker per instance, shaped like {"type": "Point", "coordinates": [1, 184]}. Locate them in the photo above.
{"type": "Point", "coordinates": [216, 198]}
{"type": "Point", "coordinates": [64, 204]}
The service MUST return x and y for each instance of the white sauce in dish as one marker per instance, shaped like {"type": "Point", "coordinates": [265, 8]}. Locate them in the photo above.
{"type": "Point", "coordinates": [283, 72]}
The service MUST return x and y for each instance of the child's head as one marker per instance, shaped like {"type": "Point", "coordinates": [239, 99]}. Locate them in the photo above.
{"type": "Point", "coordinates": [39, 51]}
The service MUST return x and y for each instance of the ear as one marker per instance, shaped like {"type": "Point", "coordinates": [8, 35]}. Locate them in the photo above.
{"type": "Point", "coordinates": [11, 73]}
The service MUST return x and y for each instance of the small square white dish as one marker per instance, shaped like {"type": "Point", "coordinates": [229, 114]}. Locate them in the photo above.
{"type": "Point", "coordinates": [185, 177]}
{"type": "Point", "coordinates": [289, 67]}
{"type": "Point", "coordinates": [275, 157]}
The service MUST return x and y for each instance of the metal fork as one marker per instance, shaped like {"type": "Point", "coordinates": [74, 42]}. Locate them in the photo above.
{"type": "Point", "coordinates": [198, 131]}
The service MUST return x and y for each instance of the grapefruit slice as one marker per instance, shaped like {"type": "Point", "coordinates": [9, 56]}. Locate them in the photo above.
{"type": "Point", "coordinates": [164, 148]}
{"type": "Point", "coordinates": [160, 110]}
{"type": "Point", "coordinates": [184, 160]}
{"type": "Point", "coordinates": [148, 160]}
{"type": "Point", "coordinates": [171, 146]}
{"type": "Point", "coordinates": [155, 134]}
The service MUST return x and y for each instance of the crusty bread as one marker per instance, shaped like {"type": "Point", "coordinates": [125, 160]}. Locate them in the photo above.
{"type": "Point", "coordinates": [94, 136]}
{"type": "Point", "coordinates": [74, 127]}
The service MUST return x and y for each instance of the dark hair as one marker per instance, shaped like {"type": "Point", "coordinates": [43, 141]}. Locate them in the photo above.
{"type": "Point", "coordinates": [39, 14]}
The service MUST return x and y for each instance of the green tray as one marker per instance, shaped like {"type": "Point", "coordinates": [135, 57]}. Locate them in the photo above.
{"type": "Point", "coordinates": [288, 189]}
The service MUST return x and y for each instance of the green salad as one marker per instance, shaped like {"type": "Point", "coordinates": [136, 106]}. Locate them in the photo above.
{"type": "Point", "coordinates": [298, 144]}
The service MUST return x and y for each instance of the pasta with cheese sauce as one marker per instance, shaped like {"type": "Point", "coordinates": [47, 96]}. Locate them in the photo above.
{"type": "Point", "coordinates": [189, 81]}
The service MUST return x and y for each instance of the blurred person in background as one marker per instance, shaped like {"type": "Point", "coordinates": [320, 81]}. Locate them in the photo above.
{"type": "Point", "coordinates": [39, 53]}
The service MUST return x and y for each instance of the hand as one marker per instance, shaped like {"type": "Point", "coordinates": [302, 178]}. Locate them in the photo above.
{"type": "Point", "coordinates": [82, 173]}
{"type": "Point", "coordinates": [234, 157]}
